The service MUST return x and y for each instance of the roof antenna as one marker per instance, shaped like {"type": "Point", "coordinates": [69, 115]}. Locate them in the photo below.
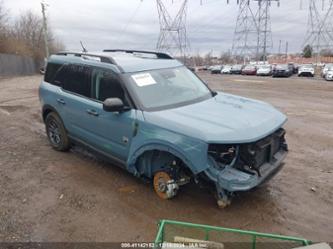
{"type": "Point", "coordinates": [84, 50]}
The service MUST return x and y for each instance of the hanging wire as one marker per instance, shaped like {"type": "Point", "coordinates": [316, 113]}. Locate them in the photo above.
{"type": "Point", "coordinates": [131, 19]}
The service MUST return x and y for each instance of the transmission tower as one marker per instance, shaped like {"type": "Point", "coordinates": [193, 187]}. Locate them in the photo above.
{"type": "Point", "coordinates": [320, 27]}
{"type": "Point", "coordinates": [253, 36]}
{"type": "Point", "coordinates": [173, 37]}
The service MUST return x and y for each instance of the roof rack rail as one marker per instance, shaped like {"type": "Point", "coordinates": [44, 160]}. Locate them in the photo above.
{"type": "Point", "coordinates": [158, 54]}
{"type": "Point", "coordinates": [79, 54]}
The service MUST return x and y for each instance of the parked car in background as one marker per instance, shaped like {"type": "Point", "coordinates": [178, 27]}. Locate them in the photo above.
{"type": "Point", "coordinates": [293, 68]}
{"type": "Point", "coordinates": [193, 69]}
{"type": "Point", "coordinates": [249, 70]}
{"type": "Point", "coordinates": [282, 70]}
{"type": "Point", "coordinates": [216, 69]}
{"type": "Point", "coordinates": [209, 68]}
{"type": "Point", "coordinates": [325, 69]}
{"type": "Point", "coordinates": [236, 69]}
{"type": "Point", "coordinates": [329, 74]}
{"type": "Point", "coordinates": [226, 69]}
{"type": "Point", "coordinates": [264, 70]}
{"type": "Point", "coordinates": [306, 70]}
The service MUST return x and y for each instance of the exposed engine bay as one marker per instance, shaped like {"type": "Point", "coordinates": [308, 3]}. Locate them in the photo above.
{"type": "Point", "coordinates": [251, 156]}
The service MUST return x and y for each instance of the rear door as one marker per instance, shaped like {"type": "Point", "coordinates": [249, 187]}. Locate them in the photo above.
{"type": "Point", "coordinates": [51, 93]}
{"type": "Point", "coordinates": [83, 91]}
{"type": "Point", "coordinates": [76, 97]}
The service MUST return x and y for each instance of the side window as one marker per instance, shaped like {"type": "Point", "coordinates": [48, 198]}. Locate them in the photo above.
{"type": "Point", "coordinates": [76, 79]}
{"type": "Point", "coordinates": [51, 70]}
{"type": "Point", "coordinates": [107, 85]}
{"type": "Point", "coordinates": [60, 76]}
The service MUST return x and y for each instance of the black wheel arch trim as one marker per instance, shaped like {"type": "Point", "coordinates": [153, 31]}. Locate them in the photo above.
{"type": "Point", "coordinates": [47, 109]}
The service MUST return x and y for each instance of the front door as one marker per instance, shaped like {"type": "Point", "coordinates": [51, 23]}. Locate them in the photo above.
{"type": "Point", "coordinates": [111, 131]}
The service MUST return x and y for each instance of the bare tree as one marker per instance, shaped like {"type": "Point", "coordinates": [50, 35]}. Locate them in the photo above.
{"type": "Point", "coordinates": [3, 24]}
{"type": "Point", "coordinates": [226, 57]}
{"type": "Point", "coordinates": [28, 29]}
{"type": "Point", "coordinates": [3, 16]}
{"type": "Point", "coordinates": [25, 36]}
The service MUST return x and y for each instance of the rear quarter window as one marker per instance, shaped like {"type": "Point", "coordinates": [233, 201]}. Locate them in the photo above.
{"type": "Point", "coordinates": [51, 70]}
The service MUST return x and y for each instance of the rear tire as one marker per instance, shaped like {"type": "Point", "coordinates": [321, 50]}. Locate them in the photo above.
{"type": "Point", "coordinates": [56, 132]}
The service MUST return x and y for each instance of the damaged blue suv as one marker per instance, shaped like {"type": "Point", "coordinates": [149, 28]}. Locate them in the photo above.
{"type": "Point", "coordinates": [148, 113]}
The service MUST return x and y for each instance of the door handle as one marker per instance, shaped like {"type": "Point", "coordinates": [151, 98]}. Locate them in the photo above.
{"type": "Point", "coordinates": [61, 101]}
{"type": "Point", "coordinates": [92, 112]}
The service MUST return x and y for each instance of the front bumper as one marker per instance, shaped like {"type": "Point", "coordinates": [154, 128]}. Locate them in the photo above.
{"type": "Point", "coordinates": [264, 73]}
{"type": "Point", "coordinates": [281, 74]}
{"type": "Point", "coordinates": [306, 73]}
{"type": "Point", "coordinates": [234, 180]}
{"type": "Point", "coordinates": [252, 165]}
{"type": "Point", "coordinates": [249, 73]}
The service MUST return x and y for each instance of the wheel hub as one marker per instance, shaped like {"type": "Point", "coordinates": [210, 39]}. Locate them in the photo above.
{"type": "Point", "coordinates": [54, 132]}
{"type": "Point", "coordinates": [164, 186]}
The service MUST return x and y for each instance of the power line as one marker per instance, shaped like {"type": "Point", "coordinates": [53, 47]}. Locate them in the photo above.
{"type": "Point", "coordinates": [131, 18]}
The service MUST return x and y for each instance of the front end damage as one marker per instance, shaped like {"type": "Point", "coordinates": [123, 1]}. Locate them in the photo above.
{"type": "Point", "coordinates": [241, 167]}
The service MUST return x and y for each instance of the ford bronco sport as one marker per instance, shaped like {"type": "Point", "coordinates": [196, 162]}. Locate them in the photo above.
{"type": "Point", "coordinates": [149, 114]}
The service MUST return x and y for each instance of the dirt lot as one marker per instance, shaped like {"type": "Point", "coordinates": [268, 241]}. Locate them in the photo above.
{"type": "Point", "coordinates": [51, 196]}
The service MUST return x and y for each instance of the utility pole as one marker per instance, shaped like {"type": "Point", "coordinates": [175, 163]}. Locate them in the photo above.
{"type": "Point", "coordinates": [45, 30]}
{"type": "Point", "coordinates": [287, 47]}
{"type": "Point", "coordinates": [280, 47]}
{"type": "Point", "coordinates": [173, 36]}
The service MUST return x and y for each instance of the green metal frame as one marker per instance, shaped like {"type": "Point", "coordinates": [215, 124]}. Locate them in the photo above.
{"type": "Point", "coordinates": [160, 234]}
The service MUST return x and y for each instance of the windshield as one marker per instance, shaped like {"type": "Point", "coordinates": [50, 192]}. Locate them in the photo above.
{"type": "Point", "coordinates": [167, 88]}
{"type": "Point", "coordinates": [307, 66]}
{"type": "Point", "coordinates": [284, 67]}
{"type": "Point", "coordinates": [237, 67]}
{"type": "Point", "coordinates": [249, 68]}
{"type": "Point", "coordinates": [265, 67]}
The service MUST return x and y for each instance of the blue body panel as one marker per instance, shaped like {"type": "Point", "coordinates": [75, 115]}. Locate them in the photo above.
{"type": "Point", "coordinates": [185, 132]}
{"type": "Point", "coordinates": [226, 119]}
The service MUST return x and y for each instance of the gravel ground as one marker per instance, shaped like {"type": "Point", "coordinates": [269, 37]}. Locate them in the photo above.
{"type": "Point", "coordinates": [51, 196]}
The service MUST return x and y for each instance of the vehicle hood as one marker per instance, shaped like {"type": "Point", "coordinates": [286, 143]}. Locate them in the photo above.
{"type": "Point", "coordinates": [264, 70]}
{"type": "Point", "coordinates": [225, 118]}
{"type": "Point", "coordinates": [306, 69]}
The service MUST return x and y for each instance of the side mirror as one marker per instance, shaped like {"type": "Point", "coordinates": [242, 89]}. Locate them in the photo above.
{"type": "Point", "coordinates": [42, 70]}
{"type": "Point", "coordinates": [114, 105]}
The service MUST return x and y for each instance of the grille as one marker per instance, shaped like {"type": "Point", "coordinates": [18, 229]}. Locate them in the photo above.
{"type": "Point", "coordinates": [262, 151]}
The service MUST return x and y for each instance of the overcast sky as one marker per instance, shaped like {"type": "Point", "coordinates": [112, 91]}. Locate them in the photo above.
{"type": "Point", "coordinates": [134, 24]}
